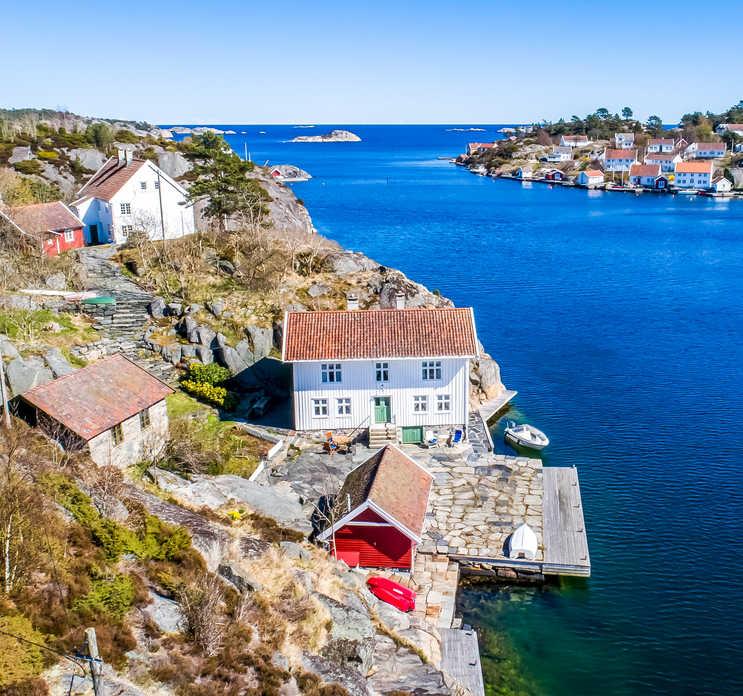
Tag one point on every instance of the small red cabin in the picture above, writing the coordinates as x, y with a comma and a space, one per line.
53, 226
380, 512
554, 175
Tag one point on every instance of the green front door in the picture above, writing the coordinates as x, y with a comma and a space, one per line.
382, 409
412, 435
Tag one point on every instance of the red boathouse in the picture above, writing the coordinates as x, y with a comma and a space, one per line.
52, 227
380, 512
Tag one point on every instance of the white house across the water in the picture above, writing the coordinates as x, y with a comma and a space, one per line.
129, 195
403, 370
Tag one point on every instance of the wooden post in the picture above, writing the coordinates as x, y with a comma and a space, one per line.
4, 394
96, 664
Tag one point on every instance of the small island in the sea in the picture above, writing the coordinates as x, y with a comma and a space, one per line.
334, 136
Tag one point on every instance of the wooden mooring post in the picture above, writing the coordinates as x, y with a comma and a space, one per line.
96, 664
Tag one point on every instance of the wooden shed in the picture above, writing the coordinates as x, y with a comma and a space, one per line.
379, 512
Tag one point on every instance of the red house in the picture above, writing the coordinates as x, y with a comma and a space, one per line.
380, 512
53, 226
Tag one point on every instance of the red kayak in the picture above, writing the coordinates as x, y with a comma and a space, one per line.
391, 592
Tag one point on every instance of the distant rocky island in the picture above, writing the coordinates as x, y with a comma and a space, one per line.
334, 136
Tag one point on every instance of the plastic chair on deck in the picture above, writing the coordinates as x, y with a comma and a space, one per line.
456, 438
430, 439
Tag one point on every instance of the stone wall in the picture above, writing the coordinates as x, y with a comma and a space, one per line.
137, 442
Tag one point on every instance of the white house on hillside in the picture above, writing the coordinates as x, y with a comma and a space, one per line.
694, 175
721, 184
128, 194
619, 160
403, 371
661, 145
666, 160
590, 178
560, 154
624, 141
574, 141
705, 151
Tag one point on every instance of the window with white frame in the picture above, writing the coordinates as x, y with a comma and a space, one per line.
126, 208
319, 408
143, 185
382, 370
420, 404
330, 372
126, 229
431, 369
69, 236
344, 406
157, 185
443, 403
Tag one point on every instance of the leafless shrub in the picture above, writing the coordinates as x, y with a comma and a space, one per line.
203, 620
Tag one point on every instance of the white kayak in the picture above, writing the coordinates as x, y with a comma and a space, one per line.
526, 435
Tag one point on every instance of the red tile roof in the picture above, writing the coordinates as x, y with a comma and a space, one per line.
44, 217
380, 333
93, 399
695, 167
620, 154
664, 156
594, 172
644, 170
394, 483
710, 146
660, 141
575, 138
110, 178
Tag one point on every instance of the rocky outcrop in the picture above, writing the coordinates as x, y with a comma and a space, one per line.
174, 164
334, 136
485, 377
23, 375
88, 157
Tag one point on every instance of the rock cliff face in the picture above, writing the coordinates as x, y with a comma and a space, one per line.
334, 136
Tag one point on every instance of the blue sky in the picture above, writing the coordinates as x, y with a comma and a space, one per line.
241, 61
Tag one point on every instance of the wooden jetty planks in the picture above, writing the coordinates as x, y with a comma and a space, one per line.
460, 658
565, 538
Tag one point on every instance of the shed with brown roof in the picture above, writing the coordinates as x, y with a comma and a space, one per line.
113, 407
380, 511
53, 226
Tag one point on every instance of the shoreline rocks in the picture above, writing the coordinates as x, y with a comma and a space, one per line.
334, 136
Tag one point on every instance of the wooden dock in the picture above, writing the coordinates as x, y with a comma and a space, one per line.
490, 408
460, 658
565, 539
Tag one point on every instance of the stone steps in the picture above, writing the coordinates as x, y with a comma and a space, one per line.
381, 435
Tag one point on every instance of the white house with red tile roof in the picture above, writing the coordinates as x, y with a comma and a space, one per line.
624, 141
574, 141
590, 178
721, 184
619, 160
661, 145
694, 175
666, 160
645, 175
560, 153
705, 151
736, 128
404, 370
473, 148
128, 195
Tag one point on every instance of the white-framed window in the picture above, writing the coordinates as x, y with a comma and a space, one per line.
431, 369
344, 406
420, 404
443, 403
69, 236
320, 408
331, 372
126, 208
382, 371
143, 185
126, 229
157, 185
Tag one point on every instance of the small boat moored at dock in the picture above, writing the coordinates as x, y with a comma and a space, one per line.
391, 592
525, 435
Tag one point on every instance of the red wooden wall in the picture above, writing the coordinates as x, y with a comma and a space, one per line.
59, 244
377, 547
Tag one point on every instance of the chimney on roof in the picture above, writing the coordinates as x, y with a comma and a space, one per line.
121, 155
352, 300
399, 300
128, 155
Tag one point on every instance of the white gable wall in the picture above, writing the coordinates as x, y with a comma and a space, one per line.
360, 385
177, 219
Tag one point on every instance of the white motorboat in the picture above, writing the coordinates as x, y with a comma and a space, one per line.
526, 435
523, 543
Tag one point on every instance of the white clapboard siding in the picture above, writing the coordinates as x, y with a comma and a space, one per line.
360, 385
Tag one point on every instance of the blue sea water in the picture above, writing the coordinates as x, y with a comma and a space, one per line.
619, 320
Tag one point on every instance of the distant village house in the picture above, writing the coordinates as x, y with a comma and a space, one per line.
52, 227
647, 176
619, 160
666, 160
661, 145
478, 148
129, 195
560, 154
694, 175
112, 408
574, 141
624, 141
705, 151
590, 178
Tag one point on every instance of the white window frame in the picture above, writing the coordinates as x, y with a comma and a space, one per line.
319, 408
157, 185
343, 406
126, 208
331, 373
431, 370
420, 403
69, 235
382, 371
443, 403
126, 229
143, 185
